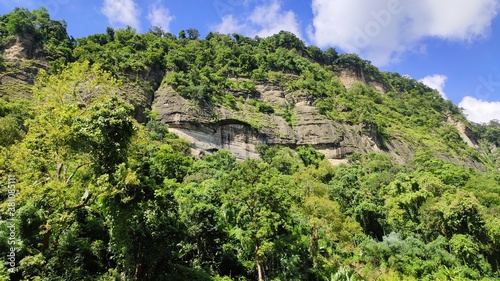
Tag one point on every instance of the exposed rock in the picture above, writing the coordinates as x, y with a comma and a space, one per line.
19, 48
139, 98
493, 148
465, 132
241, 128
338, 162
240, 139
379, 87
19, 53
402, 151
212, 128
351, 76
139, 88
17, 79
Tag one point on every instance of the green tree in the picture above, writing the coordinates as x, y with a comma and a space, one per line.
193, 34
54, 161
455, 213
257, 202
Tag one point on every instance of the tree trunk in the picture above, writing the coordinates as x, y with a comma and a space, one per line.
138, 271
313, 243
46, 241
257, 261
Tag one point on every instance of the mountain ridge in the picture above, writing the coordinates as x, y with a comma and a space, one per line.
293, 163
348, 70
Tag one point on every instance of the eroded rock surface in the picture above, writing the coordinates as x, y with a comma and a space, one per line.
465, 132
242, 130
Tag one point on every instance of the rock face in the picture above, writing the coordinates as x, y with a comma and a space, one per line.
350, 76
199, 127
22, 69
19, 48
465, 132
242, 129
240, 125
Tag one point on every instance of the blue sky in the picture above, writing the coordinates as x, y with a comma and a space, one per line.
451, 45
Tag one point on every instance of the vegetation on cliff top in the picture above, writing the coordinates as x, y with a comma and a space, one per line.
100, 196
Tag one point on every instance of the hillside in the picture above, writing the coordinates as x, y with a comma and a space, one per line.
169, 157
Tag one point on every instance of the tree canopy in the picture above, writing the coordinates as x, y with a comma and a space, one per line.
102, 196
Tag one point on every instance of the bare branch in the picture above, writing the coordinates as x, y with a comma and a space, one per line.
76, 169
58, 172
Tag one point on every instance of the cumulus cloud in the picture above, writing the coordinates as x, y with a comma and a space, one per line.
271, 20
436, 82
382, 30
231, 25
263, 21
480, 111
160, 16
121, 12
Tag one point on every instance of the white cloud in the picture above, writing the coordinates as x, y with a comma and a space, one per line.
263, 21
382, 30
271, 20
436, 82
160, 16
231, 25
122, 12
480, 111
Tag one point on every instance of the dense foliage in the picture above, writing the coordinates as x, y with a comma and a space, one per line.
100, 196
49, 37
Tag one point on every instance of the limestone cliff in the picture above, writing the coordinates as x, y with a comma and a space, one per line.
240, 124
242, 128
465, 132
351, 75
19, 53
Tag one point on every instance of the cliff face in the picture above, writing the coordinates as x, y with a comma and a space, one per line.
465, 132
269, 115
19, 48
350, 76
241, 129
24, 59
18, 54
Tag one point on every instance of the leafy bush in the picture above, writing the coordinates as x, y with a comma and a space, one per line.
3, 66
